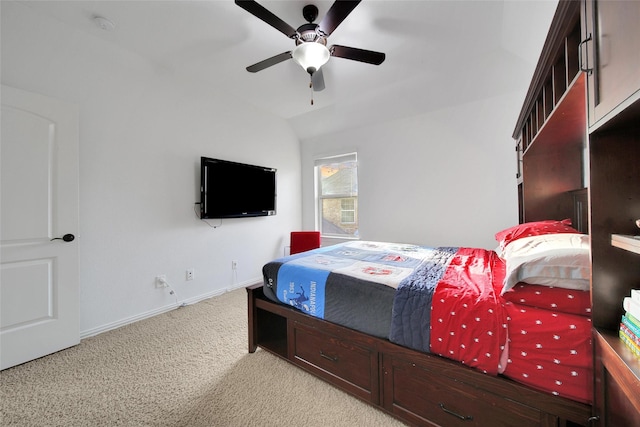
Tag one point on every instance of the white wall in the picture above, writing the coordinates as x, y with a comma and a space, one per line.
142, 132
436, 179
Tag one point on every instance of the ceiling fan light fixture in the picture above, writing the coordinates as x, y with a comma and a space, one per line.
310, 56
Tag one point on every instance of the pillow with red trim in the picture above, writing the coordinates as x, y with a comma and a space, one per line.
536, 228
571, 301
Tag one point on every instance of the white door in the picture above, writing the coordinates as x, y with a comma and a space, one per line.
39, 284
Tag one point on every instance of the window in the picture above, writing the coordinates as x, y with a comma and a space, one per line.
337, 195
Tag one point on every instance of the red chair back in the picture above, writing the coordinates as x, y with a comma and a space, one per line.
302, 241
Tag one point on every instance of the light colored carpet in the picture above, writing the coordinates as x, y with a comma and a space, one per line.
189, 367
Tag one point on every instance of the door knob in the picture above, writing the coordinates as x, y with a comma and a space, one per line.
66, 238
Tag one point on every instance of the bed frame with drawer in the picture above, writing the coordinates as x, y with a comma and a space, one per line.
419, 389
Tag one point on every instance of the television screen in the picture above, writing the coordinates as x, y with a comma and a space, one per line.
236, 190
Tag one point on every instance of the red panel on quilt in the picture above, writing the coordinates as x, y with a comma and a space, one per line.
550, 351
468, 322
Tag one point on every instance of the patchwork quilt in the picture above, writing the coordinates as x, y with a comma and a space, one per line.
424, 298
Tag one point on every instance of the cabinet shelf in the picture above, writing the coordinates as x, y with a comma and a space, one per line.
553, 162
628, 243
557, 68
567, 124
619, 351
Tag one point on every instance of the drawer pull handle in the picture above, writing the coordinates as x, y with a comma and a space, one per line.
583, 68
326, 356
450, 412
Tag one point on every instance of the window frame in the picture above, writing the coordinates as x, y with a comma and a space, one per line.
322, 161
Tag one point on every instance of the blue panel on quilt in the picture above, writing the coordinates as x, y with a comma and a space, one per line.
302, 288
411, 316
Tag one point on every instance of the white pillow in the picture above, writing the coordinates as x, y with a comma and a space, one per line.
560, 260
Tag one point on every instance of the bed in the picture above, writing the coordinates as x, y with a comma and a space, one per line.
519, 314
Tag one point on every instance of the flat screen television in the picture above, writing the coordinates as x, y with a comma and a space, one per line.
236, 190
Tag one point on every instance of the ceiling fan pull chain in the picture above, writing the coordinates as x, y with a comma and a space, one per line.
311, 87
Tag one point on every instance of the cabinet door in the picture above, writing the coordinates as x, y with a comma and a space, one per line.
614, 57
617, 399
341, 362
423, 395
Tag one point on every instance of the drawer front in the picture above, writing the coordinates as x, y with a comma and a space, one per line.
327, 354
427, 398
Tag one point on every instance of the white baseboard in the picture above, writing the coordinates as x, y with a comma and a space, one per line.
127, 321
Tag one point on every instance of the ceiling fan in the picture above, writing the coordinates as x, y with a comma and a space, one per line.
311, 51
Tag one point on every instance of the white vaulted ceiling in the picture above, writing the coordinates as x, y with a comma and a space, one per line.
438, 53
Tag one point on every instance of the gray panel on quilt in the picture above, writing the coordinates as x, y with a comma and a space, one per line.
359, 304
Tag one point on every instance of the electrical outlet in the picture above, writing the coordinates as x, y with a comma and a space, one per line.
234, 264
161, 281
190, 274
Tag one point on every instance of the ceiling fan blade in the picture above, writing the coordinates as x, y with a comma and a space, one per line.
317, 81
261, 12
337, 13
269, 62
362, 55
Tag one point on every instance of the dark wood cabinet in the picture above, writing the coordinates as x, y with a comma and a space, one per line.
614, 153
615, 204
612, 56
614, 191
593, 133
551, 130
617, 376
